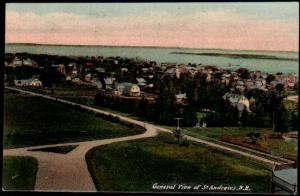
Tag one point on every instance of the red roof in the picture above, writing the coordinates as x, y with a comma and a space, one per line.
89, 64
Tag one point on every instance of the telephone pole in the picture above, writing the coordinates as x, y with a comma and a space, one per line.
178, 119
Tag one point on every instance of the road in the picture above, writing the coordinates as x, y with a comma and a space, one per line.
69, 172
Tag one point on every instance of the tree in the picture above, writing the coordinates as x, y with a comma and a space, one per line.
283, 122
165, 107
245, 119
244, 73
296, 88
189, 115
295, 120
50, 77
142, 108
270, 78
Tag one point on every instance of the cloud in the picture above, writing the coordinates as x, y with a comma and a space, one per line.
210, 29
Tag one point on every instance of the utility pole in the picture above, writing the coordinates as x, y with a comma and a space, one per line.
177, 132
178, 119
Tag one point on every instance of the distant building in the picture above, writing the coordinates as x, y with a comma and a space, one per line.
128, 89
145, 70
27, 62
76, 80
89, 65
60, 68
100, 70
88, 77
28, 82
124, 69
68, 78
181, 98
16, 62
177, 71
141, 82
109, 82
239, 101
98, 84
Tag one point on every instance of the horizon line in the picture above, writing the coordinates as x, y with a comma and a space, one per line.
132, 46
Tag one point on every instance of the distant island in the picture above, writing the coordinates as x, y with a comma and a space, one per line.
245, 56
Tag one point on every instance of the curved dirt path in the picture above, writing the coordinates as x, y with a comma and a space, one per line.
69, 172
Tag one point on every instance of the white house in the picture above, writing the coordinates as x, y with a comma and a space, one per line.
17, 62
145, 70
28, 82
68, 78
27, 62
109, 82
124, 69
76, 80
128, 89
181, 98
141, 82
100, 70
239, 101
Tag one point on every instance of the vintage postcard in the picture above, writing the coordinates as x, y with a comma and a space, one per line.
151, 97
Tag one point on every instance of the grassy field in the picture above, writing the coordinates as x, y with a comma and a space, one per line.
81, 95
136, 166
19, 173
31, 120
58, 149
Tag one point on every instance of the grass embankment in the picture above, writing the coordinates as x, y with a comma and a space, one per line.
19, 173
31, 120
136, 166
278, 147
218, 132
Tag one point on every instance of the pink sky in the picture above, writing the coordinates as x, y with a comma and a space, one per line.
211, 29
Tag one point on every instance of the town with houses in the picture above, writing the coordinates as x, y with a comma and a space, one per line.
91, 73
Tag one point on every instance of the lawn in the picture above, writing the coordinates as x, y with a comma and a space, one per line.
136, 166
58, 149
19, 173
79, 94
31, 120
